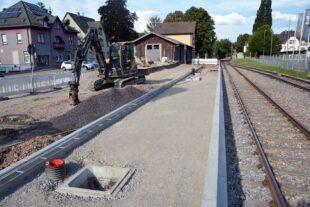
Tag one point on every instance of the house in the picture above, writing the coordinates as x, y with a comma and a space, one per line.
25, 24
78, 22
184, 32
82, 24
103, 40
155, 47
292, 45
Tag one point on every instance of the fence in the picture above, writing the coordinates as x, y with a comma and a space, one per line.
9, 68
299, 63
210, 61
27, 84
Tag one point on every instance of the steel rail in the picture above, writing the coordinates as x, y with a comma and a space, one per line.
277, 77
274, 186
16, 174
290, 117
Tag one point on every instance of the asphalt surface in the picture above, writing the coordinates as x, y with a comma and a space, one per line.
166, 141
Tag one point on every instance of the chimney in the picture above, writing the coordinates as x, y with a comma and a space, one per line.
78, 14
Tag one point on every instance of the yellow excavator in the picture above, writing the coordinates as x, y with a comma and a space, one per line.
116, 70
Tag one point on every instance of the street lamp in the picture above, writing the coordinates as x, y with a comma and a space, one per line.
264, 42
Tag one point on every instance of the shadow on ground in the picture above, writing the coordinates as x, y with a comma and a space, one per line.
234, 187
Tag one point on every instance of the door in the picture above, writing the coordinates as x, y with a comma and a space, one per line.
153, 52
15, 57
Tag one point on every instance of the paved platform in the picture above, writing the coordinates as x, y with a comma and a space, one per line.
166, 141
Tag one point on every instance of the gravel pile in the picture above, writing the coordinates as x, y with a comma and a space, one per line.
296, 101
15, 153
244, 179
97, 106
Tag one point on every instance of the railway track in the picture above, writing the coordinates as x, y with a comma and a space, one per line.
282, 143
296, 82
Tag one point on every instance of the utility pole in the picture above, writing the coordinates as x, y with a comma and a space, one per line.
264, 43
301, 33
271, 46
288, 36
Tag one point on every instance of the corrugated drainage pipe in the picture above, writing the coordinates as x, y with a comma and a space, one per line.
55, 170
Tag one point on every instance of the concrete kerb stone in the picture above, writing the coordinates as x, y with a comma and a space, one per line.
215, 185
24, 170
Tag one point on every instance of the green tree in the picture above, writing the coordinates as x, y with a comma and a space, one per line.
118, 21
222, 48
242, 39
153, 21
176, 16
260, 42
263, 15
205, 35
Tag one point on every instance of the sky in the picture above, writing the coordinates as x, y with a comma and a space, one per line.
232, 17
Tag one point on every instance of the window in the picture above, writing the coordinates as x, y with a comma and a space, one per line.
57, 25
40, 38
70, 40
59, 58
26, 57
45, 23
4, 39
292, 42
149, 47
156, 47
19, 38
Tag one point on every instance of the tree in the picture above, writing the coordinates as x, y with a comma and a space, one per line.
118, 21
242, 39
222, 48
176, 16
263, 16
153, 21
41, 5
260, 42
205, 35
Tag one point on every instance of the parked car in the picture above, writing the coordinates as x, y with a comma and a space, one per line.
90, 65
1, 75
67, 65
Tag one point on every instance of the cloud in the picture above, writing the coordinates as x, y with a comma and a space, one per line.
290, 3
276, 15
233, 5
143, 16
229, 19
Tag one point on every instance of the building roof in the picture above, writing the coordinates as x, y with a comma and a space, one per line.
94, 24
173, 41
176, 28
24, 14
285, 35
81, 21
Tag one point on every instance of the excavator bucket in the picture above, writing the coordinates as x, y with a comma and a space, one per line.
74, 94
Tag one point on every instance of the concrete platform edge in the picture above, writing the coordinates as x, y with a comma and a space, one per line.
215, 184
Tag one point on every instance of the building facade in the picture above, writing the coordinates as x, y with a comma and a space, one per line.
184, 32
25, 24
154, 47
82, 24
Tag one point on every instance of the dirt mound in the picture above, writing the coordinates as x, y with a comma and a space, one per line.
97, 106
17, 152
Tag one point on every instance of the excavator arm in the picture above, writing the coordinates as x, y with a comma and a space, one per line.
91, 40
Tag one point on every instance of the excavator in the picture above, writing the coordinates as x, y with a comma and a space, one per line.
117, 70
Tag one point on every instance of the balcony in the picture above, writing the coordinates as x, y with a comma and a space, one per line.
59, 46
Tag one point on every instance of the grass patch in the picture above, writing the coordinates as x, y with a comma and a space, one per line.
251, 63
